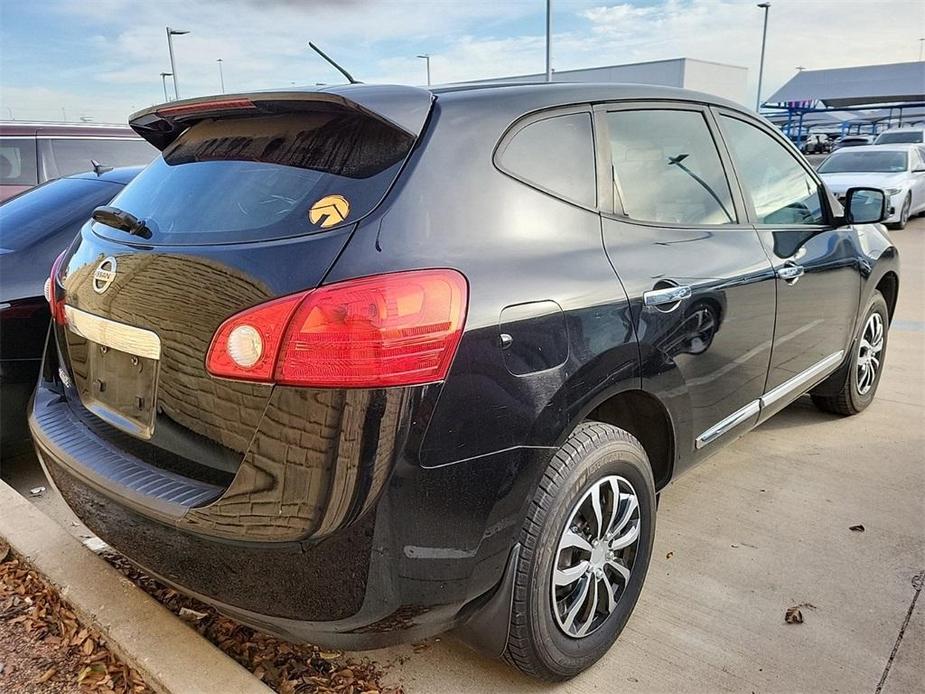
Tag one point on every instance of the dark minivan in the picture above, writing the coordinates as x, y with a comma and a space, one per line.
364, 364
35, 227
33, 153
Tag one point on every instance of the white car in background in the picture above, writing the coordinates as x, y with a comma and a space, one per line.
897, 169
915, 136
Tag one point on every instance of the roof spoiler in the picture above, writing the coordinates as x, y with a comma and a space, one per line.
405, 108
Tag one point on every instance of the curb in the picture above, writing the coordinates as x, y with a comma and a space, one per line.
172, 658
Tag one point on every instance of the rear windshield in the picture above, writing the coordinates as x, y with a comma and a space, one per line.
912, 136
17, 161
873, 162
265, 177
54, 207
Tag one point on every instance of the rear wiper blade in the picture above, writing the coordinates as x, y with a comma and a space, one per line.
122, 220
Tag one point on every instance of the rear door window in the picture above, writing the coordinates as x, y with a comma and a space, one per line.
265, 177
667, 168
18, 166
67, 156
554, 154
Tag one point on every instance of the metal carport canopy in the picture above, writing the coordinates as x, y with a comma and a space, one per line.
855, 86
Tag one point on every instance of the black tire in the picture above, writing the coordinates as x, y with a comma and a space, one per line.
849, 399
903, 214
537, 645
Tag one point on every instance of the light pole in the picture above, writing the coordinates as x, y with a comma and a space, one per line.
221, 75
173, 66
426, 57
764, 37
164, 76
549, 40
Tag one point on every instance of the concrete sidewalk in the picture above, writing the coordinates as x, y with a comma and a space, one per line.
762, 526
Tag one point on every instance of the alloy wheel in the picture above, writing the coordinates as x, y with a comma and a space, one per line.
870, 352
594, 559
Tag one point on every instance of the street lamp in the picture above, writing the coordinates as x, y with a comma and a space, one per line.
549, 40
164, 76
764, 37
221, 75
426, 56
173, 66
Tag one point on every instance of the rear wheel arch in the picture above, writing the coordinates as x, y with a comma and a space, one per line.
645, 417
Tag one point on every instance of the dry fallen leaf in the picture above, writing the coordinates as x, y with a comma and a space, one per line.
669, 555
857, 528
793, 616
191, 615
47, 675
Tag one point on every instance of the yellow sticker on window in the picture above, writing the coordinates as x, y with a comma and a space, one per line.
330, 210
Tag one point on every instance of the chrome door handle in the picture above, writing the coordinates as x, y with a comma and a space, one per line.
668, 295
790, 273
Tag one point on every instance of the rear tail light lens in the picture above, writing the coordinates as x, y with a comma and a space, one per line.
387, 330
55, 302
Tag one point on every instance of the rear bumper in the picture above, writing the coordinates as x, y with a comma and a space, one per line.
420, 559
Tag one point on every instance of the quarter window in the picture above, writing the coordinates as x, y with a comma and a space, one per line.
557, 155
667, 169
780, 189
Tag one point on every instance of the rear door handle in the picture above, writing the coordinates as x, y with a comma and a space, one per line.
790, 273
667, 295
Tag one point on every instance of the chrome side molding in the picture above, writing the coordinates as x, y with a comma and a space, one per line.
730, 422
793, 386
125, 338
821, 368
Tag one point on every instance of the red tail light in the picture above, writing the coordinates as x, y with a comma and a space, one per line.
55, 302
386, 330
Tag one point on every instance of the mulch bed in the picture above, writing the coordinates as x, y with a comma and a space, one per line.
288, 668
43, 646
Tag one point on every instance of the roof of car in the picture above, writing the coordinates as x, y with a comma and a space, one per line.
895, 147
572, 92
909, 129
32, 128
121, 175
408, 107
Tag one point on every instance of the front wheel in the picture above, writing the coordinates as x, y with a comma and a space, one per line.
866, 366
586, 545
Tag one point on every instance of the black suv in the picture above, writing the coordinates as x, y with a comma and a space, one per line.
369, 363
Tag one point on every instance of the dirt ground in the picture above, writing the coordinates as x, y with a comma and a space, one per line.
44, 648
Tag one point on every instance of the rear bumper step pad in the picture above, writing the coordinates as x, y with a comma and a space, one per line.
59, 433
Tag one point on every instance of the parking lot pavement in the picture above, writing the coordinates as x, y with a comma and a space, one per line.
763, 526
760, 527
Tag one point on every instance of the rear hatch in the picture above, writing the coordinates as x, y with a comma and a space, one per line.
253, 198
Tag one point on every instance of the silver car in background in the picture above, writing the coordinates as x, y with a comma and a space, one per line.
897, 169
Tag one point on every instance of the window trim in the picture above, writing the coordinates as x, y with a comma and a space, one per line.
618, 212
790, 148
529, 119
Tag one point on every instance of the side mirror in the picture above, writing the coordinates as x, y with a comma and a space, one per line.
865, 206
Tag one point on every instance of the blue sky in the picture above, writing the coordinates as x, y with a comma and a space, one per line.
103, 58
